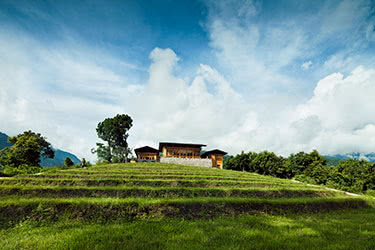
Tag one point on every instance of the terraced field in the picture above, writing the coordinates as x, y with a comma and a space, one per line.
144, 192
157, 190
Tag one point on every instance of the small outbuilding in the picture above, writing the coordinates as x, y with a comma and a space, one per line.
147, 153
216, 156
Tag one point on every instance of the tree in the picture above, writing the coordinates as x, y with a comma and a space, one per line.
27, 149
68, 162
114, 131
300, 161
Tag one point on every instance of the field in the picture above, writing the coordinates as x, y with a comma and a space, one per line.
162, 206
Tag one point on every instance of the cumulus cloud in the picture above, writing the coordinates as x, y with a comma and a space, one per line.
198, 111
251, 99
339, 115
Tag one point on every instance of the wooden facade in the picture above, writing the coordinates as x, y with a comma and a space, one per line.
180, 150
217, 157
147, 153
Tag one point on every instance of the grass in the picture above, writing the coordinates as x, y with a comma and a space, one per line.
157, 192
165, 206
352, 229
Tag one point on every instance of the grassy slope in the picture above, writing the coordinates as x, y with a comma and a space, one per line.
156, 206
345, 230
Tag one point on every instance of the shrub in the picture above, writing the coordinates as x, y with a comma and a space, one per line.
22, 169
68, 162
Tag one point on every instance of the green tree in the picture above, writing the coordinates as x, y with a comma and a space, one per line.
114, 131
268, 163
68, 162
297, 163
27, 149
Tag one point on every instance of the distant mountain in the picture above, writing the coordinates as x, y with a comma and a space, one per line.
58, 160
4, 141
334, 159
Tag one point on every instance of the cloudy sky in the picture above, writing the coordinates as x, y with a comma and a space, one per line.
283, 76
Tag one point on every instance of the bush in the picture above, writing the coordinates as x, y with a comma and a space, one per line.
68, 162
22, 169
305, 179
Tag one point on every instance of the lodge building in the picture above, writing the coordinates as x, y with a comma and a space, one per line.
147, 153
182, 153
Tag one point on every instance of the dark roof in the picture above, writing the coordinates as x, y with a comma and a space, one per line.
213, 152
177, 144
146, 149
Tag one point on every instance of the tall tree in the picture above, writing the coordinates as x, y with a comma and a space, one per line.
114, 131
27, 149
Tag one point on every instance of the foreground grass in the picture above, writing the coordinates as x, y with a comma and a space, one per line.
348, 229
162, 206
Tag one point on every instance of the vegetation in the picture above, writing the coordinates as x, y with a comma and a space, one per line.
349, 175
154, 205
349, 229
114, 131
68, 162
24, 156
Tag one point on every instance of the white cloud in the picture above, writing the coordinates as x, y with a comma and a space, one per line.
338, 62
201, 111
58, 92
306, 65
341, 110
252, 100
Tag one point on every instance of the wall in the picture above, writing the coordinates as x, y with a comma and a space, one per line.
187, 161
147, 156
182, 152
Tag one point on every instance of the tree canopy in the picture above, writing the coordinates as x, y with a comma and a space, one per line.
27, 149
114, 131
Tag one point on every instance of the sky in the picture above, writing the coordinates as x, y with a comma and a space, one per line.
238, 75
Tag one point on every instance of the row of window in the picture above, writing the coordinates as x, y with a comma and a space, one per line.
183, 154
147, 158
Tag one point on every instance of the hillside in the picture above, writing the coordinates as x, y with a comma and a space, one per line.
160, 198
4, 141
58, 160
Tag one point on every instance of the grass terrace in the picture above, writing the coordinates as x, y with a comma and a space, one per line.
164, 206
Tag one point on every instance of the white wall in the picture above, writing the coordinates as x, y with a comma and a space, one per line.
187, 161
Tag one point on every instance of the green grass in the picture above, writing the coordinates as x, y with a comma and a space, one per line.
352, 229
157, 192
164, 206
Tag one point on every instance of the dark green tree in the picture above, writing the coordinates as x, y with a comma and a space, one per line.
68, 162
27, 149
297, 163
268, 163
114, 131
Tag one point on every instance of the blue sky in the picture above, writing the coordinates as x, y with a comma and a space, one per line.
283, 76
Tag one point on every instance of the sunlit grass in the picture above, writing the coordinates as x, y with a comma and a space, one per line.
163, 206
346, 230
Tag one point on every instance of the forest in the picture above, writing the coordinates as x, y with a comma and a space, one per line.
351, 175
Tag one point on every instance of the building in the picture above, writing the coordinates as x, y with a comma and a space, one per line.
182, 153
180, 150
147, 153
216, 156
